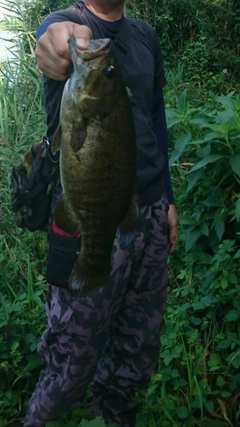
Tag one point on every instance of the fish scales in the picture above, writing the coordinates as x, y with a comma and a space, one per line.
96, 138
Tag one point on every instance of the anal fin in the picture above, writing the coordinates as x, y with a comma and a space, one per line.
82, 282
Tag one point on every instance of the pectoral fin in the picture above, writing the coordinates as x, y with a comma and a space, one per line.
64, 218
78, 135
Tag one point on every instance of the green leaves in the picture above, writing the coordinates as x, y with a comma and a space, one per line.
232, 316
205, 271
212, 158
237, 210
180, 146
98, 422
234, 359
209, 170
182, 412
235, 163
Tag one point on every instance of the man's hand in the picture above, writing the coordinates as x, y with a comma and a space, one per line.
173, 226
52, 51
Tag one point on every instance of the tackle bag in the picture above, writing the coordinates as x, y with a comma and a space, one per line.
32, 183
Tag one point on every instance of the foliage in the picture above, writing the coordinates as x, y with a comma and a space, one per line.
74, 421
206, 161
24, 17
22, 122
197, 382
201, 34
21, 324
36, 11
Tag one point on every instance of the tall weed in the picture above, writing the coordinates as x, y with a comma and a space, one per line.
22, 122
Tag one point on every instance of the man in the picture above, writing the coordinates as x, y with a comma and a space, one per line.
110, 336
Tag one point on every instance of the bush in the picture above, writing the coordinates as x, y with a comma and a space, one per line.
200, 33
206, 162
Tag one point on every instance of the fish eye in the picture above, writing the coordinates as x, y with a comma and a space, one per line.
109, 72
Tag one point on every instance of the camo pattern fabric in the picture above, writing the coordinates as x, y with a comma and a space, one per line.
21, 175
111, 335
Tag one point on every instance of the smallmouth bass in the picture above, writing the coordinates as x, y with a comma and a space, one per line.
96, 139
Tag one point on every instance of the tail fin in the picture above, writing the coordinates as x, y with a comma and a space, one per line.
82, 282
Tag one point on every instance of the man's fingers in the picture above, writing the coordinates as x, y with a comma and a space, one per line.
52, 51
59, 35
173, 238
83, 35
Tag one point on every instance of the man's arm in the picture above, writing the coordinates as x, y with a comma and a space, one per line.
160, 130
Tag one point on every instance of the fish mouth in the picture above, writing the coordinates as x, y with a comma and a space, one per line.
96, 48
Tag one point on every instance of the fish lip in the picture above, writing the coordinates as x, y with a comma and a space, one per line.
86, 55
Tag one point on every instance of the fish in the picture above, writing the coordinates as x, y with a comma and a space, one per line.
97, 145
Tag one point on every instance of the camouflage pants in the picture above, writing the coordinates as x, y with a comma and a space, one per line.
111, 335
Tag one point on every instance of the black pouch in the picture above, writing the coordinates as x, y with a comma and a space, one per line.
63, 252
32, 183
